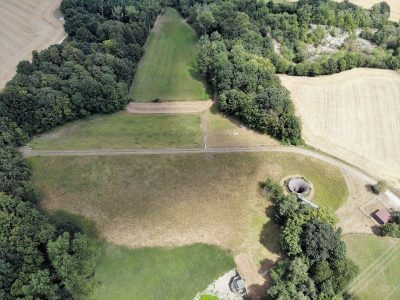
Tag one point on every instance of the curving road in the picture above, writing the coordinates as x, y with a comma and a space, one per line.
28, 152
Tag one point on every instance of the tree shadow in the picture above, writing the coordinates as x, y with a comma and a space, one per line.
196, 75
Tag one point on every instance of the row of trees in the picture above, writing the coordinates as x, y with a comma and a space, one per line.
42, 258
316, 266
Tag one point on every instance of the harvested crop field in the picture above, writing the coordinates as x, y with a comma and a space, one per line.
26, 25
354, 115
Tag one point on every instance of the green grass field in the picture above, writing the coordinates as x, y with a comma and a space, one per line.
158, 273
379, 262
160, 200
123, 130
166, 70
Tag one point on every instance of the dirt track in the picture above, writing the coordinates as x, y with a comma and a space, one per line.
354, 115
169, 107
26, 25
27, 152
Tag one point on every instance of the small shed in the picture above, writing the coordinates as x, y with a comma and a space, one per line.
382, 216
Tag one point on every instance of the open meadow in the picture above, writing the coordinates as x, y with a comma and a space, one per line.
124, 130
26, 25
174, 200
166, 70
152, 273
354, 115
379, 261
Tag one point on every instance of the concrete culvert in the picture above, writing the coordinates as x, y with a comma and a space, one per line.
299, 186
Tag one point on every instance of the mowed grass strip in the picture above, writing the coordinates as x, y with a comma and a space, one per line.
166, 70
123, 130
158, 273
379, 261
169, 200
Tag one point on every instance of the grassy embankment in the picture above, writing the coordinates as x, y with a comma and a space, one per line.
379, 261
123, 130
166, 70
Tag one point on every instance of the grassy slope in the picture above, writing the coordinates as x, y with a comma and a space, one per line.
158, 273
166, 69
124, 130
381, 281
159, 200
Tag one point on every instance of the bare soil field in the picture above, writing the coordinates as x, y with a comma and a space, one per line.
26, 25
355, 116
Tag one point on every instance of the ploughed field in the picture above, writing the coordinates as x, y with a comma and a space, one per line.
26, 25
354, 115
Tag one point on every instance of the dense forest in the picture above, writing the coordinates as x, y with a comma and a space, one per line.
245, 42
316, 266
91, 72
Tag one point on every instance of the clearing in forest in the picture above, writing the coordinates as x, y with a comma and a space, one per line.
26, 25
166, 70
174, 200
123, 130
354, 115
379, 261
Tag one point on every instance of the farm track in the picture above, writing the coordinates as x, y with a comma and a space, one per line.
169, 107
28, 152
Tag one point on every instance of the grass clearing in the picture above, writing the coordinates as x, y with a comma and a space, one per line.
166, 70
379, 281
158, 273
169, 200
123, 130
223, 131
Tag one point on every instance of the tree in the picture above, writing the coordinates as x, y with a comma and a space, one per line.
23, 232
74, 259
11, 134
291, 281
391, 229
14, 174
40, 286
320, 241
